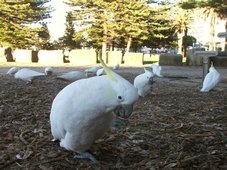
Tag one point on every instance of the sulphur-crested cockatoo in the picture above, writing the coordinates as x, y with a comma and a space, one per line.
156, 69
100, 72
116, 66
143, 83
49, 70
89, 72
211, 79
12, 71
72, 76
27, 75
83, 111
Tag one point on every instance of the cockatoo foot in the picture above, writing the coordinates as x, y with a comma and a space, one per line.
86, 156
117, 122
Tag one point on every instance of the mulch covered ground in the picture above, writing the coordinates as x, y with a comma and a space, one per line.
177, 127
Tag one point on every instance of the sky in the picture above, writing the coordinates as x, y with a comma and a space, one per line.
56, 24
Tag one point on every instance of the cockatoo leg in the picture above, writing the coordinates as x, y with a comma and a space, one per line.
117, 122
86, 156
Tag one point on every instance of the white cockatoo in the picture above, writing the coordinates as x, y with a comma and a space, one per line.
12, 71
116, 66
90, 72
100, 72
156, 69
72, 76
211, 79
83, 111
49, 70
27, 75
143, 83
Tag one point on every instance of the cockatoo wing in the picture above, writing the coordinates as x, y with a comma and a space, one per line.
156, 69
211, 80
143, 83
27, 74
72, 76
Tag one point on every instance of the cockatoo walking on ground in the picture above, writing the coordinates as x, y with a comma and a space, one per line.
211, 79
49, 70
100, 72
156, 69
83, 111
27, 75
143, 83
72, 76
90, 72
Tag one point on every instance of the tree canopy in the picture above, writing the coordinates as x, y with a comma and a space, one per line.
123, 23
15, 19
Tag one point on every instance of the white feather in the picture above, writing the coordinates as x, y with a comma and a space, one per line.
100, 72
211, 80
27, 74
12, 71
49, 70
92, 71
82, 112
143, 83
116, 67
156, 69
72, 75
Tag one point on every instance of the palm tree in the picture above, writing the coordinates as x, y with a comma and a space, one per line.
182, 20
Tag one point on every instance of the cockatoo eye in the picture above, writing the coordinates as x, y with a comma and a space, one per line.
120, 98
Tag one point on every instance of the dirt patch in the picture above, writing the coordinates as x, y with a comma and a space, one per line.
176, 127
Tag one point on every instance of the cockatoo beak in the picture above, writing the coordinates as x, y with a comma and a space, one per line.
124, 110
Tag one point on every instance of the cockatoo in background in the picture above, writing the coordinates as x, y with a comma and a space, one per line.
156, 69
90, 72
49, 70
83, 111
12, 71
72, 76
27, 75
100, 72
143, 83
211, 79
116, 67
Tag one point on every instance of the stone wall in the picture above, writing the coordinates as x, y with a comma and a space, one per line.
133, 59
83, 57
170, 59
50, 56
22, 55
195, 57
114, 57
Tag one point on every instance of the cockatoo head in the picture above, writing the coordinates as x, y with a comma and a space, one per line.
149, 76
211, 67
48, 70
125, 93
12, 71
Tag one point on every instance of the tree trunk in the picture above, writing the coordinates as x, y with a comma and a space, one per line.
180, 40
212, 30
185, 42
226, 37
104, 40
129, 44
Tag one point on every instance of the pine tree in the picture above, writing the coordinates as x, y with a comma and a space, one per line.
67, 40
15, 18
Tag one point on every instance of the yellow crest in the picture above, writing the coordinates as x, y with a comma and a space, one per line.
107, 70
